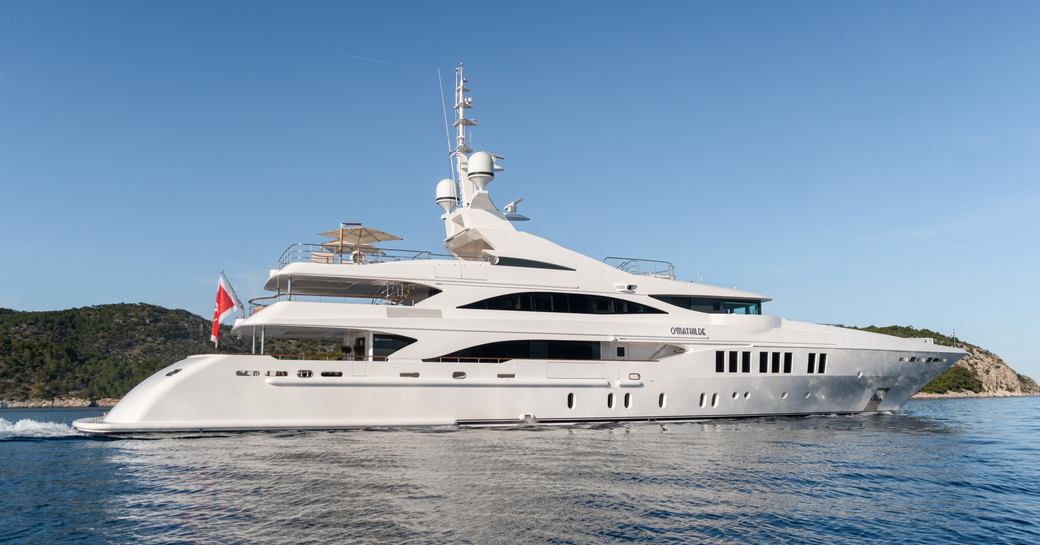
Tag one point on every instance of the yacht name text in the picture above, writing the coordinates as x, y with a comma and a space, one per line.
699, 331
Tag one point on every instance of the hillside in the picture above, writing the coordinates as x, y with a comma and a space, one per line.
981, 371
101, 351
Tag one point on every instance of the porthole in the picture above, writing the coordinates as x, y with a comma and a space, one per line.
628, 400
714, 400
610, 400
458, 374
332, 373
807, 395
702, 400
174, 372
304, 373
660, 401
570, 400
783, 395
735, 395
747, 395
409, 375
859, 374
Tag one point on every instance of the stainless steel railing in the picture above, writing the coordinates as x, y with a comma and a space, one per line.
645, 267
306, 252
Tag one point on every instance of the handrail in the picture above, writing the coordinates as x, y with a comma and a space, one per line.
645, 267
326, 357
301, 252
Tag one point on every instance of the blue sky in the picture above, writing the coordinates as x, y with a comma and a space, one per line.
859, 162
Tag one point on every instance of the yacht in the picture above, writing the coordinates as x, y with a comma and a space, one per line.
507, 328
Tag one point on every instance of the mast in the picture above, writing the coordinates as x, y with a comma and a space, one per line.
462, 103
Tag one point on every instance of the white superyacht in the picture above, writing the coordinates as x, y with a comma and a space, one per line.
509, 328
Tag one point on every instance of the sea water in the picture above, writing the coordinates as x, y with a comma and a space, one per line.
940, 471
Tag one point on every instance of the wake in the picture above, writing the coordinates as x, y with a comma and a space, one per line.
28, 428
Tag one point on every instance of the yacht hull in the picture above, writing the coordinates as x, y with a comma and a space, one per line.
252, 392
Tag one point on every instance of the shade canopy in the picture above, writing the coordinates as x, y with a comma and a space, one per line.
358, 235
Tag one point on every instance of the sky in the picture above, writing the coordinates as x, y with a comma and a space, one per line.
859, 162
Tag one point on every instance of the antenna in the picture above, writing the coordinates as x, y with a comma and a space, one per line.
447, 132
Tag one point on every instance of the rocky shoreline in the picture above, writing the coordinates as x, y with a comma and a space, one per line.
58, 402
969, 393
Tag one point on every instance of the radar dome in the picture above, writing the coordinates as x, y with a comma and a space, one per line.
480, 169
447, 195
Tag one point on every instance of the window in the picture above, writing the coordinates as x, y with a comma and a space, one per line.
776, 362
745, 363
574, 303
787, 362
529, 263
763, 362
621, 351
383, 345
332, 373
714, 400
720, 361
628, 400
812, 363
610, 400
712, 305
570, 400
733, 362
823, 364
660, 400
702, 401
528, 349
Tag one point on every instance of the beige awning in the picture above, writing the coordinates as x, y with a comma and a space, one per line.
358, 235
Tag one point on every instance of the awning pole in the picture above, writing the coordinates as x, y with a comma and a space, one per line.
262, 339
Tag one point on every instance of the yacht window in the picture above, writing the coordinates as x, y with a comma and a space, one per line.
812, 363
383, 344
713, 305
823, 364
720, 361
776, 362
745, 363
525, 350
732, 362
529, 263
787, 362
575, 303
763, 362
621, 351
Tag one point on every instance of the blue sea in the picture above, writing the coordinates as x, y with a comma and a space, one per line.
939, 471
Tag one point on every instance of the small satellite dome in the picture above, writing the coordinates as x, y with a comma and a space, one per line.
447, 195
480, 169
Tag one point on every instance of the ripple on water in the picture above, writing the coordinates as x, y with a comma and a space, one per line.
939, 472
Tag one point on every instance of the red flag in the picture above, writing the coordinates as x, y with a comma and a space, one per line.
227, 302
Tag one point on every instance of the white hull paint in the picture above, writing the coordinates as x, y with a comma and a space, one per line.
208, 395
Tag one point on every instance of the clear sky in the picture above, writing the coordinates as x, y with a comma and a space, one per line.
860, 162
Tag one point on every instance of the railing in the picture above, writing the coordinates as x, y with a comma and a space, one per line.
326, 356
305, 252
645, 267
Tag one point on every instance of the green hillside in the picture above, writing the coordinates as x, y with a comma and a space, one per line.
101, 351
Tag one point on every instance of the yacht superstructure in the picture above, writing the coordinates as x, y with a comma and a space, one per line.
509, 328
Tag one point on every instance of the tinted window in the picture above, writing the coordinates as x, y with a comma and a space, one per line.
384, 345
712, 305
812, 363
526, 349
823, 364
763, 362
575, 303
787, 362
745, 362
720, 362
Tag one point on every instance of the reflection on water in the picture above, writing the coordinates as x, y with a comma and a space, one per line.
940, 471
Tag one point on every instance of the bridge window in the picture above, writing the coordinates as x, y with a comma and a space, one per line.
713, 305
500, 351
575, 303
